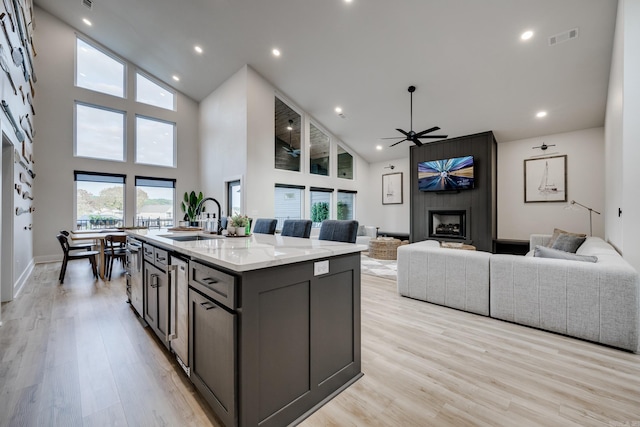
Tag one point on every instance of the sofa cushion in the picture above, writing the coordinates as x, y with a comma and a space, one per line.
568, 242
557, 232
544, 252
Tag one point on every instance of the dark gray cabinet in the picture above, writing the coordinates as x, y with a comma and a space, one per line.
212, 354
156, 310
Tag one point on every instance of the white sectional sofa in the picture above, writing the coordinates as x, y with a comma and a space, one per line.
594, 301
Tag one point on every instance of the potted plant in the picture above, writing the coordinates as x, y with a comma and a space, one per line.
240, 223
189, 205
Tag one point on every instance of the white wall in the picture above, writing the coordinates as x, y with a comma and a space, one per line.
585, 184
237, 127
54, 188
623, 134
391, 218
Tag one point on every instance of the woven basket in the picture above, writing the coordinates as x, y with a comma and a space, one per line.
382, 248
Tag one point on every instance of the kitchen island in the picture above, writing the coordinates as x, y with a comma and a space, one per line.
273, 322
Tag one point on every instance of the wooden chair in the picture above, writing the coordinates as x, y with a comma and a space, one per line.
296, 228
339, 230
265, 226
70, 256
80, 247
114, 248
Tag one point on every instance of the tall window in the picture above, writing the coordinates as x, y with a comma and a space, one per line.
345, 164
99, 132
320, 201
155, 202
149, 92
346, 204
98, 71
155, 142
99, 200
287, 143
318, 151
234, 198
288, 201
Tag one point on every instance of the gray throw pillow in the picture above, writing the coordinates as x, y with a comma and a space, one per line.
557, 232
568, 242
544, 252
362, 231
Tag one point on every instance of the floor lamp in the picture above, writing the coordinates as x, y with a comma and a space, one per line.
591, 210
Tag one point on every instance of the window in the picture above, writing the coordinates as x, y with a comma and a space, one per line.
99, 200
99, 132
318, 151
155, 202
155, 142
287, 143
346, 204
234, 198
288, 201
98, 71
320, 201
149, 92
345, 164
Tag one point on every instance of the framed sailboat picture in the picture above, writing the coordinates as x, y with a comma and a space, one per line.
392, 189
545, 179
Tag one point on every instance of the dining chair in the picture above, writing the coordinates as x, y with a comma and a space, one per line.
339, 230
70, 256
114, 248
265, 226
296, 228
80, 247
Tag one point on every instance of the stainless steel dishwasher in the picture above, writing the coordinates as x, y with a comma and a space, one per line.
179, 307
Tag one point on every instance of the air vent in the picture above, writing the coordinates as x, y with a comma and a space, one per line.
563, 37
88, 3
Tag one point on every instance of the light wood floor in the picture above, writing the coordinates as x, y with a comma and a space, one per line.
75, 354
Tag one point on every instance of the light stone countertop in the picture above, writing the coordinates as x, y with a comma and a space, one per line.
247, 253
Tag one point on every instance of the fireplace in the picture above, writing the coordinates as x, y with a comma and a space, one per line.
449, 224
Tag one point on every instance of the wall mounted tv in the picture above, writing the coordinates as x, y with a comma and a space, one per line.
451, 174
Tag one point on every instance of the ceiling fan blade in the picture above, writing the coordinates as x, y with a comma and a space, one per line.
398, 142
433, 136
403, 132
392, 137
427, 131
417, 142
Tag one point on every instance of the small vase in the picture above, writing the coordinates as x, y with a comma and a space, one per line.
240, 231
194, 223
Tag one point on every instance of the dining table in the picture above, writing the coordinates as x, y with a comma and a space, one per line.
99, 237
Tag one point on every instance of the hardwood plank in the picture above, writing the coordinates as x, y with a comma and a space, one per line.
76, 354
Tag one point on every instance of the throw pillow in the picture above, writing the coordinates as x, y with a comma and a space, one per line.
362, 231
544, 252
568, 242
557, 232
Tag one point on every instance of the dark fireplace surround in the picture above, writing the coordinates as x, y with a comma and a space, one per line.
448, 224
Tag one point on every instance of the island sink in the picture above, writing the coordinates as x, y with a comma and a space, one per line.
192, 238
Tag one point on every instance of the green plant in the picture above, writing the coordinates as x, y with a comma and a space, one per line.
319, 211
189, 205
343, 210
239, 221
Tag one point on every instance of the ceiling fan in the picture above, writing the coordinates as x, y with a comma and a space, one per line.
293, 152
411, 135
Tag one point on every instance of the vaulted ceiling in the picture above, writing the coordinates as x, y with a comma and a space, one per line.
472, 71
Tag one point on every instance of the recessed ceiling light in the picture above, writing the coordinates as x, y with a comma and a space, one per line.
86, 21
276, 52
338, 110
198, 49
176, 78
541, 114
526, 35
378, 147
348, 1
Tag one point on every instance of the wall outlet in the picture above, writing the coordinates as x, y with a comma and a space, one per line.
320, 267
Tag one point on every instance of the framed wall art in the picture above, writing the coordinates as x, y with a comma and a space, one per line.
545, 179
392, 189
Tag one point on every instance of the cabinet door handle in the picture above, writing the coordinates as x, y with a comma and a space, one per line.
154, 281
207, 305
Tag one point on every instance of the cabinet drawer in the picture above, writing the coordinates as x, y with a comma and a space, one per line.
147, 251
161, 258
214, 283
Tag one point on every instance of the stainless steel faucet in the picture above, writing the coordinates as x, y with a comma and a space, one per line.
199, 211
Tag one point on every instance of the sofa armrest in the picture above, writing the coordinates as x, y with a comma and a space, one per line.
538, 240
